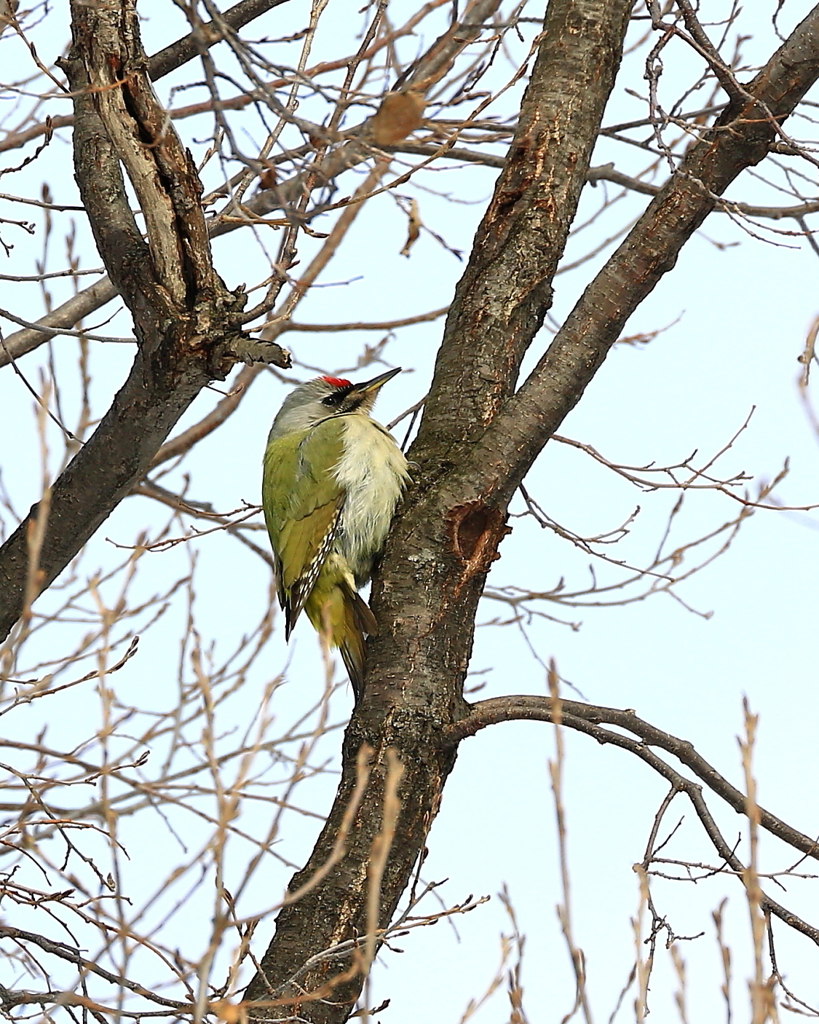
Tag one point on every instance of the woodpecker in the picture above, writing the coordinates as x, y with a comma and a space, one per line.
331, 480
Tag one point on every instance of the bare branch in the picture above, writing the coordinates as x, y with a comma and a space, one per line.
587, 718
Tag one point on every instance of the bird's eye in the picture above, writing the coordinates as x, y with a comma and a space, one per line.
334, 398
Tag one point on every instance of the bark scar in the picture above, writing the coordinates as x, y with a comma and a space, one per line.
475, 530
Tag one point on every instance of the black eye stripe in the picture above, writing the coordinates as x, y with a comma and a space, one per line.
336, 397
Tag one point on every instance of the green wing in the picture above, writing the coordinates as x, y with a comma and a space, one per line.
302, 504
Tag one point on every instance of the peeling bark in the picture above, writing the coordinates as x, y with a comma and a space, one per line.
187, 323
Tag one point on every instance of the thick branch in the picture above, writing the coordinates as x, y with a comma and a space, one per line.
740, 138
185, 320
190, 46
333, 909
137, 134
71, 312
503, 296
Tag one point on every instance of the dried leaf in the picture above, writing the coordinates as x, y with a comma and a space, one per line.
414, 230
267, 179
400, 114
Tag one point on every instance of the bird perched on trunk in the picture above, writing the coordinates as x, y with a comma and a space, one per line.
332, 478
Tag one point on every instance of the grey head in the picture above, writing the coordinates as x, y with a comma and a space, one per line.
322, 397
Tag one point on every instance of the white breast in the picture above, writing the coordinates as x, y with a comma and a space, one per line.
373, 473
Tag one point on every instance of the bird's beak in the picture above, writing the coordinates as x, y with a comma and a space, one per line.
370, 387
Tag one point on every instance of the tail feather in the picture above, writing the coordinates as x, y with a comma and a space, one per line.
360, 613
359, 622
341, 615
352, 654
